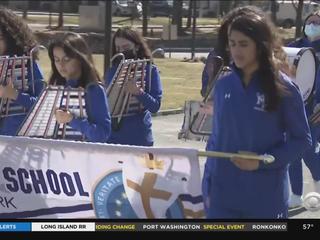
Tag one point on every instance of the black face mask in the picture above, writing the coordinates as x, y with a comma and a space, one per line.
130, 54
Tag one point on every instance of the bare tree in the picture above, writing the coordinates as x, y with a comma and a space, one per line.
177, 15
235, 3
299, 9
189, 14
274, 8
225, 6
25, 10
145, 10
194, 24
60, 18
107, 34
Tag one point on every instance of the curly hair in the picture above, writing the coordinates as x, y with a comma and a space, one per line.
19, 37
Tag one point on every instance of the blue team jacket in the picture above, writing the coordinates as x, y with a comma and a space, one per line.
240, 123
136, 130
10, 125
97, 126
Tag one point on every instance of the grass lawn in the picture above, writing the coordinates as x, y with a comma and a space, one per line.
180, 80
161, 21
44, 19
125, 21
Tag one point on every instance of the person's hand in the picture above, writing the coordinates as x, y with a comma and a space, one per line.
206, 108
63, 116
132, 88
8, 92
244, 163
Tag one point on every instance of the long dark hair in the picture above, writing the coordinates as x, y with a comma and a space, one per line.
135, 37
222, 49
74, 46
257, 28
17, 34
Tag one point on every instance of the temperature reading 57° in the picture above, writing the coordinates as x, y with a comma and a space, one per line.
307, 226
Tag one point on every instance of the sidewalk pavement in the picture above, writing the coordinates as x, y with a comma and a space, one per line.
165, 131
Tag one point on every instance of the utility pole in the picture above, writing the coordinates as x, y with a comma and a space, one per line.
145, 10
194, 16
107, 34
25, 10
60, 18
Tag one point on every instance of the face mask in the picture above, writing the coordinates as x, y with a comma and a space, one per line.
312, 31
128, 54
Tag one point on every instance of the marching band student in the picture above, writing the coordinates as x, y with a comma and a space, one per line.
222, 51
72, 66
16, 39
311, 38
244, 188
136, 129
222, 44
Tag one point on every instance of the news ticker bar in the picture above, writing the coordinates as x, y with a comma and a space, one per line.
139, 226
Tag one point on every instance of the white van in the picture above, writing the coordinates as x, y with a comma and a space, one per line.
286, 12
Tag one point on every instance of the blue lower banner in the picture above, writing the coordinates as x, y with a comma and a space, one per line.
15, 227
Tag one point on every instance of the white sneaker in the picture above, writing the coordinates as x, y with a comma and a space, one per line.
316, 186
295, 201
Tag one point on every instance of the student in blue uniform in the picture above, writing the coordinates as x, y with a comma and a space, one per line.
72, 66
136, 129
16, 38
258, 110
222, 44
311, 38
222, 51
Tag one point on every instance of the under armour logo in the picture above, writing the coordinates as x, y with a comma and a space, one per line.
227, 95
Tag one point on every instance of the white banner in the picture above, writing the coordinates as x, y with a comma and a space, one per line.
62, 179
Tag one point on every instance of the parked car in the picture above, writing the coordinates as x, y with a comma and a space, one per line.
126, 8
165, 8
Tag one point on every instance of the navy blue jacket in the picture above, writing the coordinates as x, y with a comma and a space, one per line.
240, 123
10, 125
97, 126
136, 129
